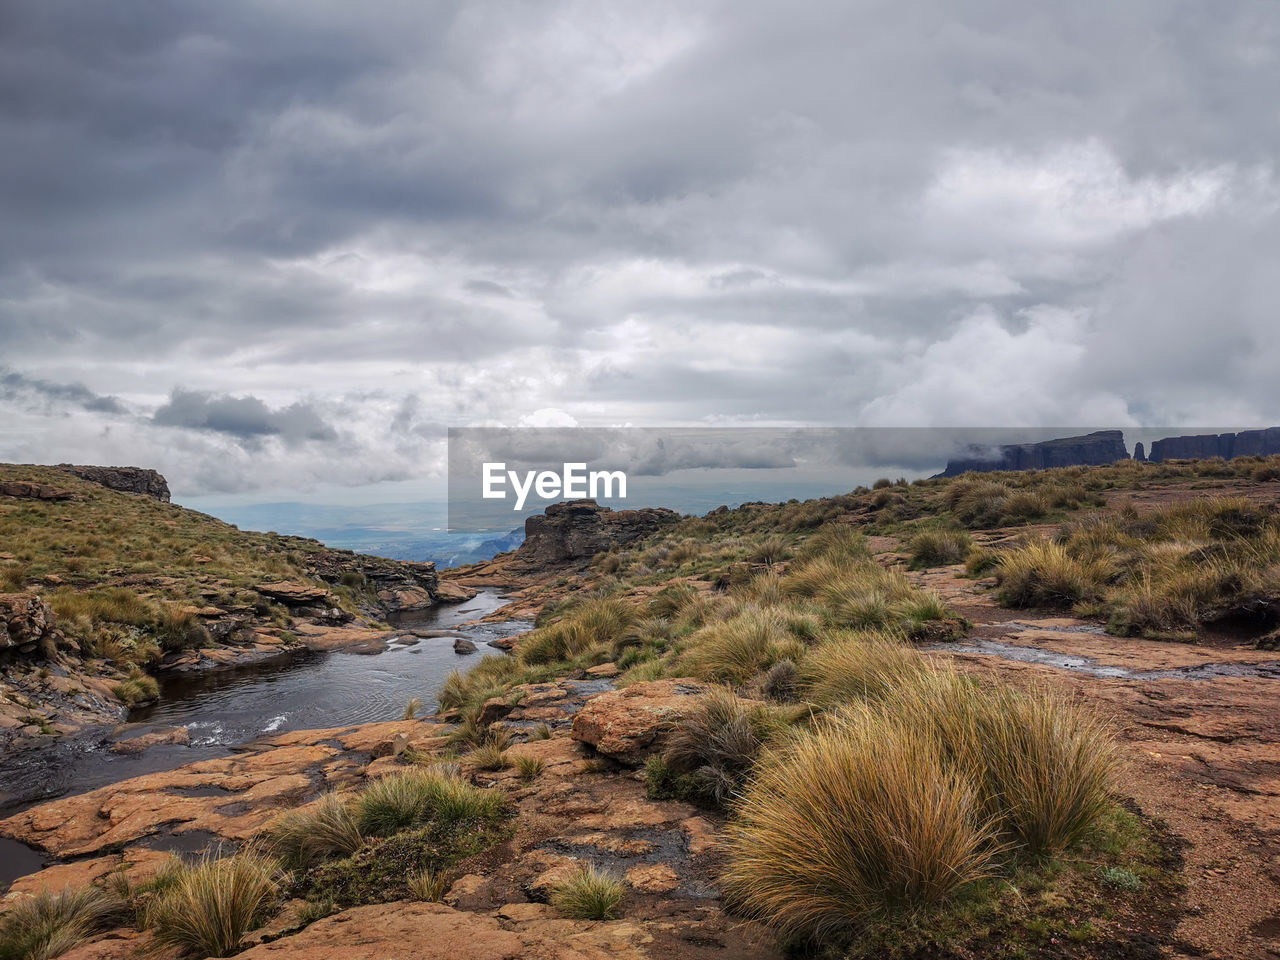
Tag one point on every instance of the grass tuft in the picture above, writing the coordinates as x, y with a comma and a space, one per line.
588, 894
530, 768
403, 800
302, 838
429, 885
49, 924
936, 548
215, 902
858, 820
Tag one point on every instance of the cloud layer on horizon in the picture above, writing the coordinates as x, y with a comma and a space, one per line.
268, 246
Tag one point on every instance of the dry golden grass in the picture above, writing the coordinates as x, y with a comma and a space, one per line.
1164, 573
736, 649
1043, 765
49, 924
1044, 573
214, 903
935, 548
851, 667
596, 622
859, 819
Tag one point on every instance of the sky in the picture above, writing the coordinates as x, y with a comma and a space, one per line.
275, 250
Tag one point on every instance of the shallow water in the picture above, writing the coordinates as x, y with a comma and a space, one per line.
1088, 665
225, 708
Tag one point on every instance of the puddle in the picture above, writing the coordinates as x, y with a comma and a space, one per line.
667, 847
17, 860
190, 845
1088, 665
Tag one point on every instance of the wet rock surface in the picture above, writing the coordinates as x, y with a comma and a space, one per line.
569, 814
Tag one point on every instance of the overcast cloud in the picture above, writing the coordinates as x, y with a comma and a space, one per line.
263, 245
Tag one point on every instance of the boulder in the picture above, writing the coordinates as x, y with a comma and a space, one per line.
178, 736
449, 592
27, 624
630, 724
405, 598
463, 645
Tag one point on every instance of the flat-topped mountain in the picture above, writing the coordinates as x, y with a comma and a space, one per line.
1093, 449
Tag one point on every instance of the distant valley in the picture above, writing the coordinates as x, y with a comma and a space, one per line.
398, 531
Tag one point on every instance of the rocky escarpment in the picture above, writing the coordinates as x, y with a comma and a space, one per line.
563, 538
1246, 443
578, 529
400, 586
1093, 449
146, 483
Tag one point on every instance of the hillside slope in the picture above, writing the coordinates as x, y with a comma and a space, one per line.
101, 588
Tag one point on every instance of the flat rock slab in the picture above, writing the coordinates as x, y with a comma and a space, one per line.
434, 931
229, 797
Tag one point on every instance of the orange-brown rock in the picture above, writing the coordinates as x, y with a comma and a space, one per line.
632, 723
449, 592
653, 878
294, 593
257, 786
405, 598
434, 931
27, 490
174, 735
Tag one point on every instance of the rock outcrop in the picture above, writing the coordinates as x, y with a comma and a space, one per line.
400, 586
1093, 449
26, 490
27, 625
577, 529
631, 723
1246, 443
146, 483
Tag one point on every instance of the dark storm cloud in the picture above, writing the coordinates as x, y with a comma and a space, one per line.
247, 418
385, 217
16, 388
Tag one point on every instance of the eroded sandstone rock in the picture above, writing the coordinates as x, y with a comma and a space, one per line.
26, 624
27, 490
630, 724
577, 529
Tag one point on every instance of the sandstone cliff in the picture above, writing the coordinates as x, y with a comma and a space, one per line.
1246, 443
1094, 449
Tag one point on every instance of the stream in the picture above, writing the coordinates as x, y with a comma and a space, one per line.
222, 709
